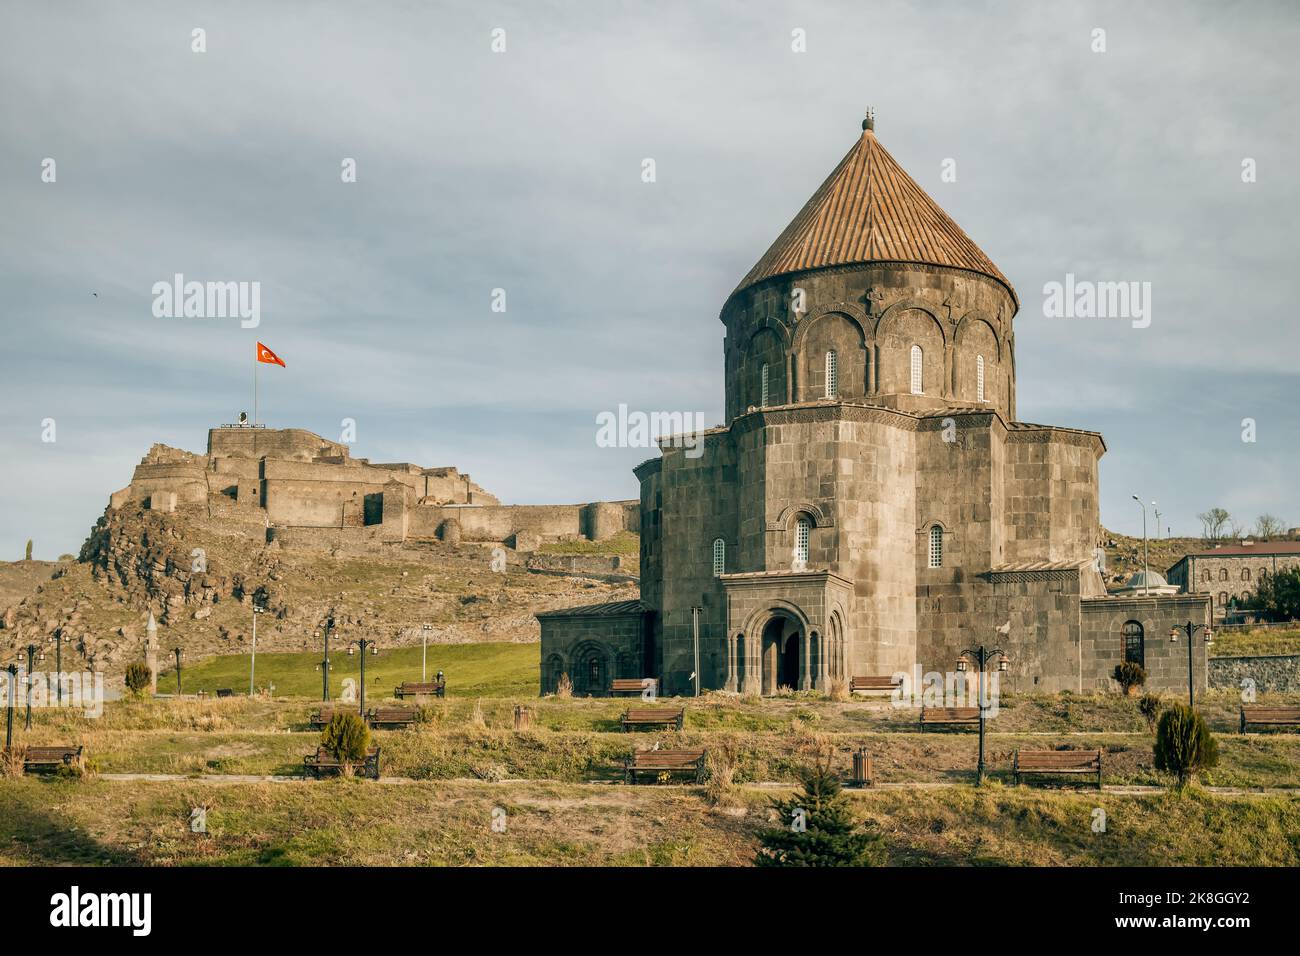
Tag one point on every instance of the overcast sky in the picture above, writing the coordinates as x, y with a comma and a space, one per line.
522, 171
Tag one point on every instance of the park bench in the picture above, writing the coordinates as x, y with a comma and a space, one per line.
322, 761
1270, 717
648, 717
950, 716
390, 716
225, 692
45, 758
634, 685
658, 762
323, 715
1058, 761
873, 683
433, 688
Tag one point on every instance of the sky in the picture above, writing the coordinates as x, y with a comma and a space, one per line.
521, 170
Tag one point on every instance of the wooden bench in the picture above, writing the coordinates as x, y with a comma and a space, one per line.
1058, 761
51, 758
390, 716
225, 692
323, 715
647, 717
633, 685
950, 716
322, 761
1270, 717
873, 683
658, 762
433, 688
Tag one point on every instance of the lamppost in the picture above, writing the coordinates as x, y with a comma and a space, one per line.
982, 658
1190, 630
695, 632
33, 651
12, 671
177, 652
324, 665
424, 642
361, 644
1157, 512
1144, 544
57, 640
252, 661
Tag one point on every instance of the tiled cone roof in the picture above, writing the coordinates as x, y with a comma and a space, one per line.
870, 210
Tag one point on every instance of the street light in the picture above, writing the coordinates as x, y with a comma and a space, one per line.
362, 643
12, 671
1144, 544
57, 640
1190, 630
424, 640
324, 665
982, 658
177, 652
33, 651
252, 661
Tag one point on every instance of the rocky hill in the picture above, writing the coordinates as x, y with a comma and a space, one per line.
200, 578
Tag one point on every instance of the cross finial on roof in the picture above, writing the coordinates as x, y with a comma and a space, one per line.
870, 121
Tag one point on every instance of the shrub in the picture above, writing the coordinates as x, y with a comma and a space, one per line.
11, 761
138, 677
1129, 674
346, 737
1149, 707
839, 689
1184, 746
564, 687
829, 836
719, 774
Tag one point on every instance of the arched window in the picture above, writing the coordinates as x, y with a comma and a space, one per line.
764, 386
719, 556
1223, 574
1205, 575
917, 383
832, 375
1262, 572
802, 527
979, 378
1245, 574
1223, 599
936, 547
1134, 643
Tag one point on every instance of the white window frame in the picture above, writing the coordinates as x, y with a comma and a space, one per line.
936, 547
802, 537
719, 557
832, 374
918, 371
764, 386
979, 378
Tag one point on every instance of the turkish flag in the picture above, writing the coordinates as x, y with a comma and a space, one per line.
270, 358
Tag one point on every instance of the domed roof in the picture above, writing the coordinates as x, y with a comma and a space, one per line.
870, 210
1146, 579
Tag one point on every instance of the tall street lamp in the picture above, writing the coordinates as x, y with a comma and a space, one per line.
1144, 544
252, 661
1189, 629
361, 644
57, 640
12, 671
177, 652
324, 665
424, 642
33, 651
982, 658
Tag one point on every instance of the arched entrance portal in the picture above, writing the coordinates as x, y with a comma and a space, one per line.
779, 654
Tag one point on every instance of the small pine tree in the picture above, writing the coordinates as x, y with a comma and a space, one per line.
138, 677
1149, 707
29, 550
1129, 674
830, 836
346, 737
1184, 746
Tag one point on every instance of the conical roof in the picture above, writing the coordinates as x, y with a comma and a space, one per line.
870, 210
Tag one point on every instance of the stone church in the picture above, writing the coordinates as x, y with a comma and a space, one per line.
872, 504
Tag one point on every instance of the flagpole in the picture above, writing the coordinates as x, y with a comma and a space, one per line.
254, 388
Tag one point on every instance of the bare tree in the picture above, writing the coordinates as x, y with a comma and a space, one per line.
1213, 523
1269, 526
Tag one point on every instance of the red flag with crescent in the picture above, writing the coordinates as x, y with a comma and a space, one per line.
270, 358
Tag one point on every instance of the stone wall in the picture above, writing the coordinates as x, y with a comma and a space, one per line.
1165, 662
1271, 674
592, 645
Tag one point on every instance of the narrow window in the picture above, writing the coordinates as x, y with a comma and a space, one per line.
1223, 599
832, 375
1223, 574
936, 547
1245, 574
1134, 643
979, 377
916, 370
801, 527
763, 390
719, 556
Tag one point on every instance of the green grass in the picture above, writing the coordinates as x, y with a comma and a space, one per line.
624, 543
482, 670
1260, 641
